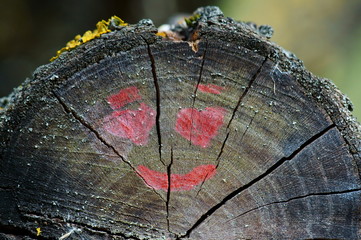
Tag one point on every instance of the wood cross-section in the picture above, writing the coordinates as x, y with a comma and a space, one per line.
216, 133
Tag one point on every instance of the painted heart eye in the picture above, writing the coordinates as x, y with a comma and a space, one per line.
199, 127
134, 125
124, 97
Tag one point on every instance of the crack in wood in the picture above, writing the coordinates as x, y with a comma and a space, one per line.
196, 90
217, 163
79, 225
246, 91
296, 198
221, 151
227, 128
157, 94
102, 140
254, 181
169, 174
88, 126
247, 127
200, 74
229, 123
232, 117
103, 230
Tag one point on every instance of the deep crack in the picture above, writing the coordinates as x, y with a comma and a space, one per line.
246, 91
200, 74
196, 90
221, 151
76, 225
234, 113
157, 94
169, 174
217, 163
257, 179
295, 198
247, 127
235, 110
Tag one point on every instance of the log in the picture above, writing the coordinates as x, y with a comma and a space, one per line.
205, 131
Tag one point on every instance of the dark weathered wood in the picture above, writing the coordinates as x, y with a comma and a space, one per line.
98, 143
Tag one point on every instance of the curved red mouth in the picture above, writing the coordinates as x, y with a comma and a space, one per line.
178, 182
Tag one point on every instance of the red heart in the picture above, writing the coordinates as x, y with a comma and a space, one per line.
134, 125
199, 126
123, 97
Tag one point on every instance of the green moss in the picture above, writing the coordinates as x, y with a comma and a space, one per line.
192, 20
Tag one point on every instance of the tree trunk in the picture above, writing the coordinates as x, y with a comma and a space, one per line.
208, 131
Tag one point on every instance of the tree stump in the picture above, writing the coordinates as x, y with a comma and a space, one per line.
206, 131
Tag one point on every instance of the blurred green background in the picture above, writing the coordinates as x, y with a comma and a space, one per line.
325, 34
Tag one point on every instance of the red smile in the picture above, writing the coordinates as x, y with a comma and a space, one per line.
178, 182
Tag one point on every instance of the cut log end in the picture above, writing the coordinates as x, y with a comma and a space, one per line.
205, 131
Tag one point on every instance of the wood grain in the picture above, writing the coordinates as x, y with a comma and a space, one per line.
136, 136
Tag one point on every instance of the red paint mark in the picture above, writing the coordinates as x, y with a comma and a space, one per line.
178, 182
199, 126
210, 88
124, 97
132, 124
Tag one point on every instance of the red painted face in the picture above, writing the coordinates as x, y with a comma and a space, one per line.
197, 126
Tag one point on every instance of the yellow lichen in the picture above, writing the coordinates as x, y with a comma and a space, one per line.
38, 231
161, 34
102, 27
